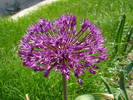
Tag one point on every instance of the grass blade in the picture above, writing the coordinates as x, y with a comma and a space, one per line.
107, 86
27, 97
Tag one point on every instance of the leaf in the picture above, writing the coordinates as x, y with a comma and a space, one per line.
130, 32
118, 39
107, 85
117, 94
129, 68
122, 85
85, 97
95, 96
100, 96
121, 97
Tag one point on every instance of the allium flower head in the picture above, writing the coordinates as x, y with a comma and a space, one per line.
59, 46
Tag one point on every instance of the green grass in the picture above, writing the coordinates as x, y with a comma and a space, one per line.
16, 80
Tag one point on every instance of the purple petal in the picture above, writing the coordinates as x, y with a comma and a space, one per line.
96, 67
80, 81
39, 68
92, 71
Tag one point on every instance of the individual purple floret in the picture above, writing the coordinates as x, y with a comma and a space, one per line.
59, 46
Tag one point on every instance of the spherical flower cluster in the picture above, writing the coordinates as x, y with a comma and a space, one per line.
59, 46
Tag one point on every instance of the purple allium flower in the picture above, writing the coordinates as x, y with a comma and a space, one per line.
59, 46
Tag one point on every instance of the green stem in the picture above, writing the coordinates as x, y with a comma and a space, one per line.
65, 87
